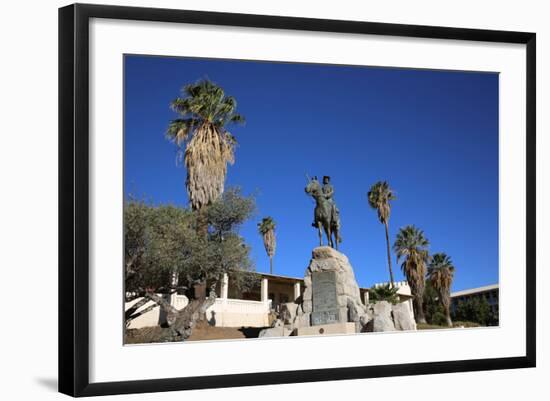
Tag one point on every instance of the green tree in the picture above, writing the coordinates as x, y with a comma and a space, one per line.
266, 228
433, 310
162, 245
384, 293
379, 197
203, 141
440, 276
474, 309
412, 246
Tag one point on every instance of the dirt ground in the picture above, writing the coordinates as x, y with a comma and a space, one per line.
203, 331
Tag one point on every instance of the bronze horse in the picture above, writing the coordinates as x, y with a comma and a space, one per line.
326, 217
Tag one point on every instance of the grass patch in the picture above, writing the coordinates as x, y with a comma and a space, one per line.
456, 325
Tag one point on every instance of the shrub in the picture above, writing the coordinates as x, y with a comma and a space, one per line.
439, 318
475, 309
384, 293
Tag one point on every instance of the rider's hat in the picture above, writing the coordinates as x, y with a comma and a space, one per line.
326, 177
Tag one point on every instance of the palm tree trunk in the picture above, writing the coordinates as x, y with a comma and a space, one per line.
202, 223
389, 255
449, 321
446, 306
420, 318
202, 233
270, 264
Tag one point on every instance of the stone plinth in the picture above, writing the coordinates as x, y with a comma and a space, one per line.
323, 329
331, 294
325, 308
331, 302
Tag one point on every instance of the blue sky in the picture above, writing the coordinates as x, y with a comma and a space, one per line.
433, 135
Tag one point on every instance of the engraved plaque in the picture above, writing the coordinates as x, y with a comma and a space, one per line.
325, 302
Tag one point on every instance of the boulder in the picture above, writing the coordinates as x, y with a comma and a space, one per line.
381, 316
288, 312
402, 317
274, 332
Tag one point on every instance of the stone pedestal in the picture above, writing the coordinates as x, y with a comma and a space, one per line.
331, 302
324, 300
331, 295
334, 328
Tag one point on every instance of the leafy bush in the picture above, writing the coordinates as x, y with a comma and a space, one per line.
384, 293
474, 309
438, 318
432, 307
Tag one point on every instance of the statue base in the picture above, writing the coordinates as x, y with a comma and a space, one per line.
331, 295
327, 329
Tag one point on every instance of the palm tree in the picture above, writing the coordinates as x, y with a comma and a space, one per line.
384, 293
412, 246
205, 145
379, 196
440, 274
267, 229
203, 140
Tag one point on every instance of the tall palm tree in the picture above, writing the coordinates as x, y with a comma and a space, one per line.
267, 230
203, 140
205, 145
412, 246
379, 196
440, 274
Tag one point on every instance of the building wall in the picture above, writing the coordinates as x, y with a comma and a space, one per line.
280, 293
155, 316
238, 313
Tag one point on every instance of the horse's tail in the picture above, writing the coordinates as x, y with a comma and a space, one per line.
337, 235
335, 225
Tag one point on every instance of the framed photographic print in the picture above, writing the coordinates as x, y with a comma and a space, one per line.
249, 199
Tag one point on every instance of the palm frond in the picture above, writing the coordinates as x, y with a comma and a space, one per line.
441, 274
266, 228
379, 198
204, 111
412, 246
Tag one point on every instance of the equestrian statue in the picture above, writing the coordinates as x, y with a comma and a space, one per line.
326, 216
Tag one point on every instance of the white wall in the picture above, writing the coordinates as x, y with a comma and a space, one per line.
155, 316
28, 221
238, 313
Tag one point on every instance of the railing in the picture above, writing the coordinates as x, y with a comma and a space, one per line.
238, 313
402, 287
224, 312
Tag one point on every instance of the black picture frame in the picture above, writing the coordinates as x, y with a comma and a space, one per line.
74, 198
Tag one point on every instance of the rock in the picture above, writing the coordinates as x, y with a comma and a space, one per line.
348, 298
302, 319
279, 331
362, 325
402, 317
382, 319
288, 312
